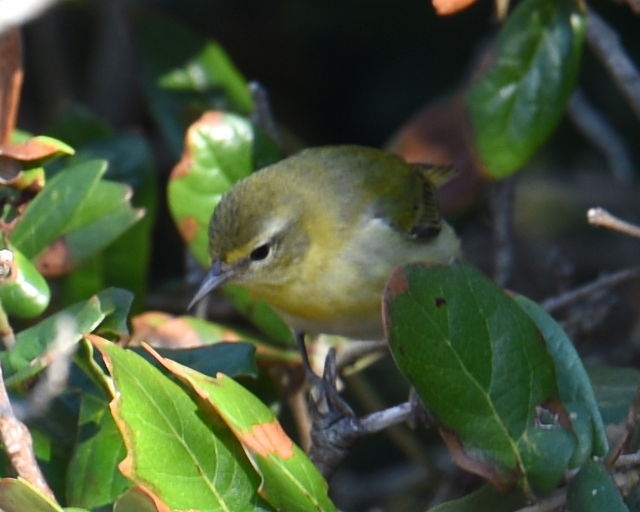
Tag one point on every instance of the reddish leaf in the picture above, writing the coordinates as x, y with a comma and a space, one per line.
441, 134
446, 7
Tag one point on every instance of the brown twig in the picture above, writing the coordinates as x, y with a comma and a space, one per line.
603, 282
601, 135
18, 444
605, 43
601, 217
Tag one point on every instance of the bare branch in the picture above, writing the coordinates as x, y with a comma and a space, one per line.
605, 43
606, 281
502, 200
601, 135
18, 444
377, 421
601, 217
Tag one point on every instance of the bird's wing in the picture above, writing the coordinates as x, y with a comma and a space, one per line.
427, 221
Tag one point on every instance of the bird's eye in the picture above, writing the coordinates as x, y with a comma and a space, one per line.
260, 252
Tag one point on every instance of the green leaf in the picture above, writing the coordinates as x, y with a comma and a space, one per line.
477, 361
518, 103
53, 208
574, 385
78, 126
185, 75
30, 354
93, 478
152, 411
137, 499
615, 388
218, 152
18, 495
235, 358
485, 499
593, 490
131, 162
290, 481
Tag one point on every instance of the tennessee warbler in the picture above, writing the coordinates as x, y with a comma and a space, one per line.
317, 234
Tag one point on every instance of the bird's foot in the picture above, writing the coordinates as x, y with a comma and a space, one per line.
334, 426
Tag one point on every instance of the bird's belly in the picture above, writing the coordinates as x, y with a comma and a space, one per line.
342, 294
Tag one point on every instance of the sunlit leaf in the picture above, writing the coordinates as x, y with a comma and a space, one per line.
93, 478
219, 150
152, 411
290, 481
32, 350
18, 495
138, 499
53, 208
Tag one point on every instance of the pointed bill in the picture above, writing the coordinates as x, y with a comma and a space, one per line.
214, 278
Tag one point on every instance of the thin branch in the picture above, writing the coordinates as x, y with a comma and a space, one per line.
377, 421
628, 460
502, 201
601, 135
606, 281
601, 217
18, 443
605, 43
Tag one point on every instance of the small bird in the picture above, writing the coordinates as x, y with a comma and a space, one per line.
317, 234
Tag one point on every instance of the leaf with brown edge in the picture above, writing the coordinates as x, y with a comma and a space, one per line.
289, 479
219, 149
481, 367
200, 466
18, 495
447, 7
35, 149
139, 499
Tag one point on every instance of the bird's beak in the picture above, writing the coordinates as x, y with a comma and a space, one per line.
214, 278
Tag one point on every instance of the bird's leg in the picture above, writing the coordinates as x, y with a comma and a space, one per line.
328, 406
334, 426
